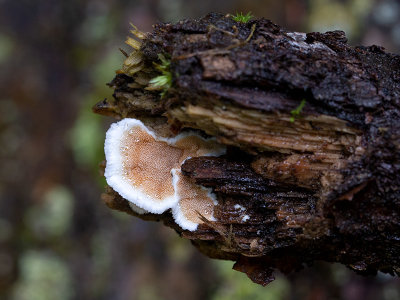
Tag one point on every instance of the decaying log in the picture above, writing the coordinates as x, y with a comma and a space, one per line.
322, 184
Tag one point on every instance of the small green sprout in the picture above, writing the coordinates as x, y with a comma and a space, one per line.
296, 112
164, 81
240, 17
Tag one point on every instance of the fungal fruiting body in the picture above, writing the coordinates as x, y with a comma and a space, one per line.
193, 201
145, 170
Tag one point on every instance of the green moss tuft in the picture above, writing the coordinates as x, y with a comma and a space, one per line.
296, 112
240, 17
162, 82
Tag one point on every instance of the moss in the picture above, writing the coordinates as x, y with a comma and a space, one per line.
297, 111
240, 17
162, 82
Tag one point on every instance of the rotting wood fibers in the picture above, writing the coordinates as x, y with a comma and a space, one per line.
324, 186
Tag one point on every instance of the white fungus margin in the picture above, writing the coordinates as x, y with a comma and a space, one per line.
186, 214
114, 172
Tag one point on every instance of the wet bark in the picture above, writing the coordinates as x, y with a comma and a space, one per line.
321, 183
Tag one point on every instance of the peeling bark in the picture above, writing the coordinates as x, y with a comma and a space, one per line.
323, 185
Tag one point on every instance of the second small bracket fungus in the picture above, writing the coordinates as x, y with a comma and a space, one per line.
145, 169
194, 200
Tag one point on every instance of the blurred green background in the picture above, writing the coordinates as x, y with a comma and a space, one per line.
57, 238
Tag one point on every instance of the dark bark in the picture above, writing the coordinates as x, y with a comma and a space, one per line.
324, 187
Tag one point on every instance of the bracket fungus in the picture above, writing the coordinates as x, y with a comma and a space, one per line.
144, 168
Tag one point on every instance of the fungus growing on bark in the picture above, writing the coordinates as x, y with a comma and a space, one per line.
194, 200
145, 169
316, 181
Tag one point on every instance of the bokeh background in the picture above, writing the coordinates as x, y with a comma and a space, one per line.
57, 238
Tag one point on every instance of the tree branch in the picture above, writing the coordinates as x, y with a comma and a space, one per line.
320, 184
